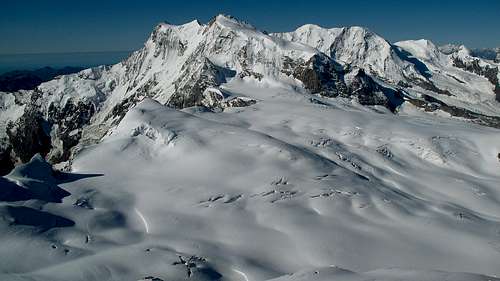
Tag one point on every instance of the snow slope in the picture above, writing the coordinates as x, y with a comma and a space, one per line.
281, 186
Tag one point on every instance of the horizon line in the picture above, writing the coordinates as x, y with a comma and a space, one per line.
65, 52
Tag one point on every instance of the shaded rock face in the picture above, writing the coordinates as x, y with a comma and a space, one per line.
320, 76
6, 159
51, 132
29, 135
428, 85
119, 110
67, 123
216, 99
239, 102
190, 86
369, 92
431, 104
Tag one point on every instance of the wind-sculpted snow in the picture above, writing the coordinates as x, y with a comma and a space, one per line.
339, 274
219, 152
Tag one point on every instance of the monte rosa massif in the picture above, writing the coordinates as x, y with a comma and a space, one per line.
221, 152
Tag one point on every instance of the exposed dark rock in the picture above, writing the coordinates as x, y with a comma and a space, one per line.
248, 73
29, 135
428, 85
191, 85
119, 110
83, 203
150, 278
431, 104
239, 102
289, 65
320, 75
369, 92
216, 99
7, 160
404, 84
384, 151
67, 123
52, 134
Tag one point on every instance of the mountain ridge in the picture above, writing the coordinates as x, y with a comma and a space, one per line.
180, 63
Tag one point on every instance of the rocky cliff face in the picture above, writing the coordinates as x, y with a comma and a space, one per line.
320, 75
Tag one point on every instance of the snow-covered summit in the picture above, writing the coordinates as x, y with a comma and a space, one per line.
423, 49
356, 46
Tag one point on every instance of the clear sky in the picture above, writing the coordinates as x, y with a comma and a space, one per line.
41, 26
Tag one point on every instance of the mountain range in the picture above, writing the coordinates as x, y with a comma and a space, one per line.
222, 152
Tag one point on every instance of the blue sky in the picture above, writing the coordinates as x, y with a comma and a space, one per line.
41, 26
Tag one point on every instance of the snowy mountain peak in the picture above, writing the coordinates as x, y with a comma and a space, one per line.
229, 22
164, 26
463, 51
422, 49
356, 46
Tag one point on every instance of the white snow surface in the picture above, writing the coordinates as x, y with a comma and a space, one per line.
283, 186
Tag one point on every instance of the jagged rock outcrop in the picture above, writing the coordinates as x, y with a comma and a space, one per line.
67, 124
217, 99
368, 92
190, 87
321, 75
29, 135
430, 104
